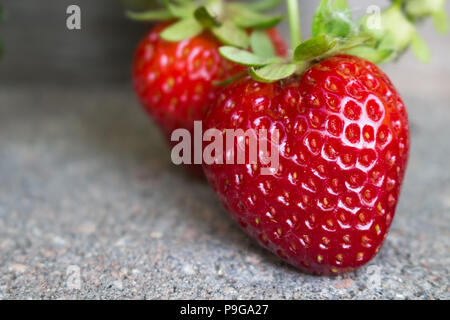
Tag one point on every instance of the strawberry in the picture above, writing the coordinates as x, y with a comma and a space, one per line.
343, 154
343, 140
175, 80
174, 75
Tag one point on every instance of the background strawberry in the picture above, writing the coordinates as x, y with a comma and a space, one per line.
344, 139
343, 153
175, 80
177, 65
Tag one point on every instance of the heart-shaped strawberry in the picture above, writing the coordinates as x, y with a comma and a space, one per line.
343, 150
338, 126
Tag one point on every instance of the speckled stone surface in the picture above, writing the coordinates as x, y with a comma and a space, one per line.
86, 184
87, 181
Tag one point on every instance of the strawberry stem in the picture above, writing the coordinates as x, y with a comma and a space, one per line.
294, 22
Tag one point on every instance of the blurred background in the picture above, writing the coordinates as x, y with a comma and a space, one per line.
40, 49
85, 177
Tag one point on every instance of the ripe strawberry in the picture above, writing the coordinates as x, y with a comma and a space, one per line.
175, 80
343, 149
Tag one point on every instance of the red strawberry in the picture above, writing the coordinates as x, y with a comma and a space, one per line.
344, 148
174, 80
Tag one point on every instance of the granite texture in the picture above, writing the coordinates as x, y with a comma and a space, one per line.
87, 181
87, 184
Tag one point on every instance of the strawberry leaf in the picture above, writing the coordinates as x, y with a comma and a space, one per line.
422, 8
246, 18
353, 42
210, 14
227, 21
440, 20
314, 48
273, 72
420, 49
245, 58
394, 30
318, 25
333, 17
261, 44
181, 30
206, 18
369, 53
263, 5
229, 34
185, 9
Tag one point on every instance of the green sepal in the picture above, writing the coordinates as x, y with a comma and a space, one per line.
206, 18
229, 34
376, 56
273, 72
420, 49
440, 20
182, 30
183, 10
261, 44
245, 18
391, 38
229, 22
263, 5
314, 48
246, 58
333, 18
356, 41
418, 9
395, 32
210, 15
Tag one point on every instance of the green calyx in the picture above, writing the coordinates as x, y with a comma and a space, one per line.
227, 21
392, 32
396, 29
419, 9
379, 36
